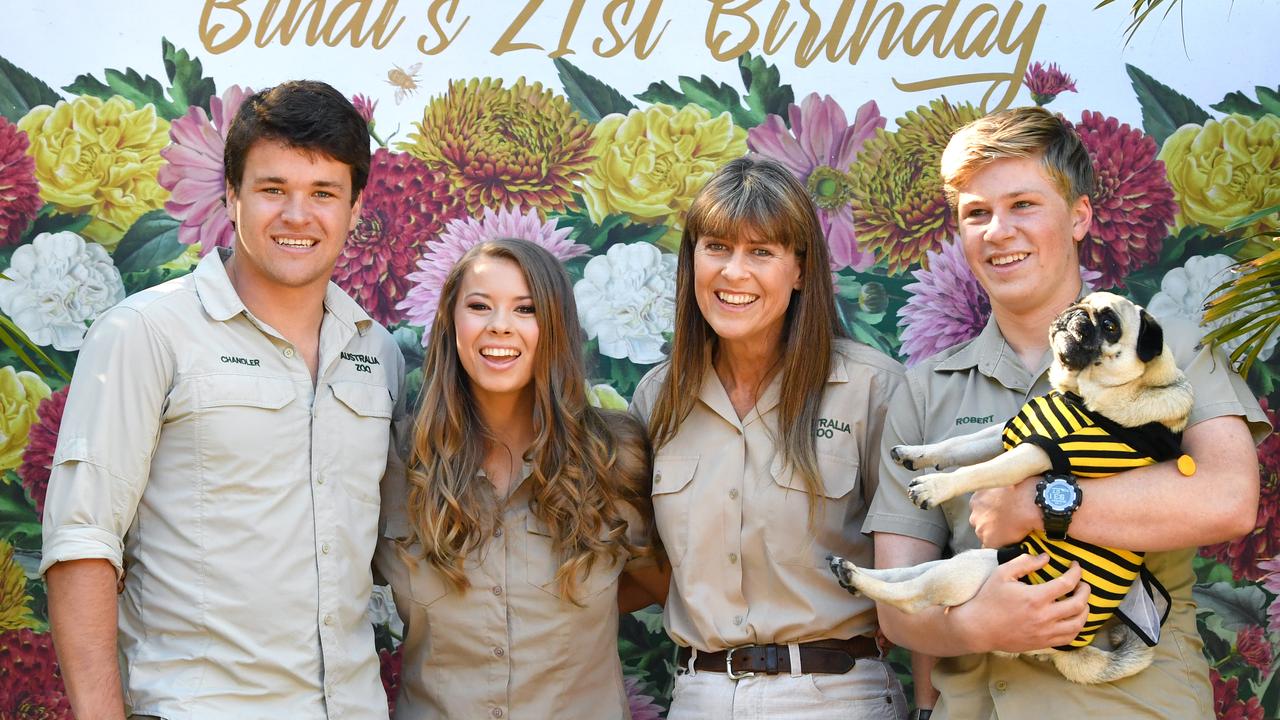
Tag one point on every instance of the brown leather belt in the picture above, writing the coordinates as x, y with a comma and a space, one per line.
832, 657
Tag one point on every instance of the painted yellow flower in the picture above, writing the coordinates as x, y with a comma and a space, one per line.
1224, 170
99, 158
14, 612
20, 396
650, 163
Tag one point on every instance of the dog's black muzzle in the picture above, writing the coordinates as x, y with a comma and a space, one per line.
1075, 338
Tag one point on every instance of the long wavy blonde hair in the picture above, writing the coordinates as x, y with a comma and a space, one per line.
586, 462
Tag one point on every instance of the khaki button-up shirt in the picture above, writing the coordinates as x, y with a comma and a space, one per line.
746, 566
242, 500
982, 383
510, 646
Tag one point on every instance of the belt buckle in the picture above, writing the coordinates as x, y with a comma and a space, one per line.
728, 665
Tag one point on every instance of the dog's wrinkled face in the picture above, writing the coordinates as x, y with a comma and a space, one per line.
1106, 337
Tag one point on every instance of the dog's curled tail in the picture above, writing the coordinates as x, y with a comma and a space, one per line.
1091, 665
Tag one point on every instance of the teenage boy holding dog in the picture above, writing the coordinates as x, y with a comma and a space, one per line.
223, 442
1020, 181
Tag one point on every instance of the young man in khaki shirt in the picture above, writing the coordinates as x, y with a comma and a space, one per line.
1020, 181
223, 443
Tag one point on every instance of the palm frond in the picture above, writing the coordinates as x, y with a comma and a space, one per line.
1254, 291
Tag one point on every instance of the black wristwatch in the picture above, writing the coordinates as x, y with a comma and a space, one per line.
920, 714
1058, 497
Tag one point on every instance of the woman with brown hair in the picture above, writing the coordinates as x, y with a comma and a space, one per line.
523, 506
766, 424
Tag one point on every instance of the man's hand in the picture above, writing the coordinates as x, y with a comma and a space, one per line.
1008, 615
1004, 516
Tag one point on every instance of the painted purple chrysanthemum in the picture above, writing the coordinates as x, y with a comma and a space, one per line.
193, 171
1133, 203
461, 235
947, 305
1047, 82
643, 706
19, 192
819, 149
406, 205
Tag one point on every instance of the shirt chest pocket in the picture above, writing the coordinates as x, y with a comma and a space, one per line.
360, 437
542, 563
242, 427
788, 535
672, 501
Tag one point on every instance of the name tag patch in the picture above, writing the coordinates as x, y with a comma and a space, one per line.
828, 427
233, 360
975, 420
363, 363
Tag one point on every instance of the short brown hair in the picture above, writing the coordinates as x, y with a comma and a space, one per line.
1025, 132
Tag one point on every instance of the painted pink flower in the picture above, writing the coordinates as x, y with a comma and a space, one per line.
193, 171
365, 106
1253, 647
1047, 82
19, 191
30, 678
1227, 704
1242, 555
461, 235
819, 149
1270, 569
406, 205
643, 706
389, 662
37, 457
1133, 203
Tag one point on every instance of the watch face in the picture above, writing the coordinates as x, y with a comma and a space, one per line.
1059, 495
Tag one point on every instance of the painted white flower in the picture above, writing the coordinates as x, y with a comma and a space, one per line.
626, 298
382, 610
57, 285
1183, 292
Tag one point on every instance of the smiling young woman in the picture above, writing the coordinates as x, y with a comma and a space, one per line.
523, 507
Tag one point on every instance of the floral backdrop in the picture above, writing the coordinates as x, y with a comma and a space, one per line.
113, 183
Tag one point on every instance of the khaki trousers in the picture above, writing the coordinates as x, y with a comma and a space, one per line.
870, 691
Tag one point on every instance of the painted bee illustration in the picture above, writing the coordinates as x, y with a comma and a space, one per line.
404, 81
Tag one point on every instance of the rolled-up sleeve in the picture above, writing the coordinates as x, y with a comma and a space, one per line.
891, 509
109, 431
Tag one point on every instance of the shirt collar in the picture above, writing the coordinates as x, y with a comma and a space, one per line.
220, 300
714, 396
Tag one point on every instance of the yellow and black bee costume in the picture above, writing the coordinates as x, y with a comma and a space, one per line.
1089, 445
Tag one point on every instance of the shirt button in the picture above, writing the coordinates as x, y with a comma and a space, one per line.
737, 619
733, 494
328, 619
288, 352
733, 557
320, 480
325, 548
497, 590
1002, 685
657, 477
499, 652
497, 533
496, 712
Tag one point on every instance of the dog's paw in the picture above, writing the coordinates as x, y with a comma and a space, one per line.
844, 572
928, 491
912, 457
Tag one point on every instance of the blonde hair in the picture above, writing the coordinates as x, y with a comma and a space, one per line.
1025, 132
586, 462
753, 195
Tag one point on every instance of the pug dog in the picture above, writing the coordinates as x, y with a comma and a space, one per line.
1110, 359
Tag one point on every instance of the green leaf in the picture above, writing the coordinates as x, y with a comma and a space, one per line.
716, 97
593, 98
1238, 607
1252, 218
1164, 109
651, 618
51, 221
19, 522
151, 242
20, 91
188, 86
143, 279
1268, 102
765, 93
